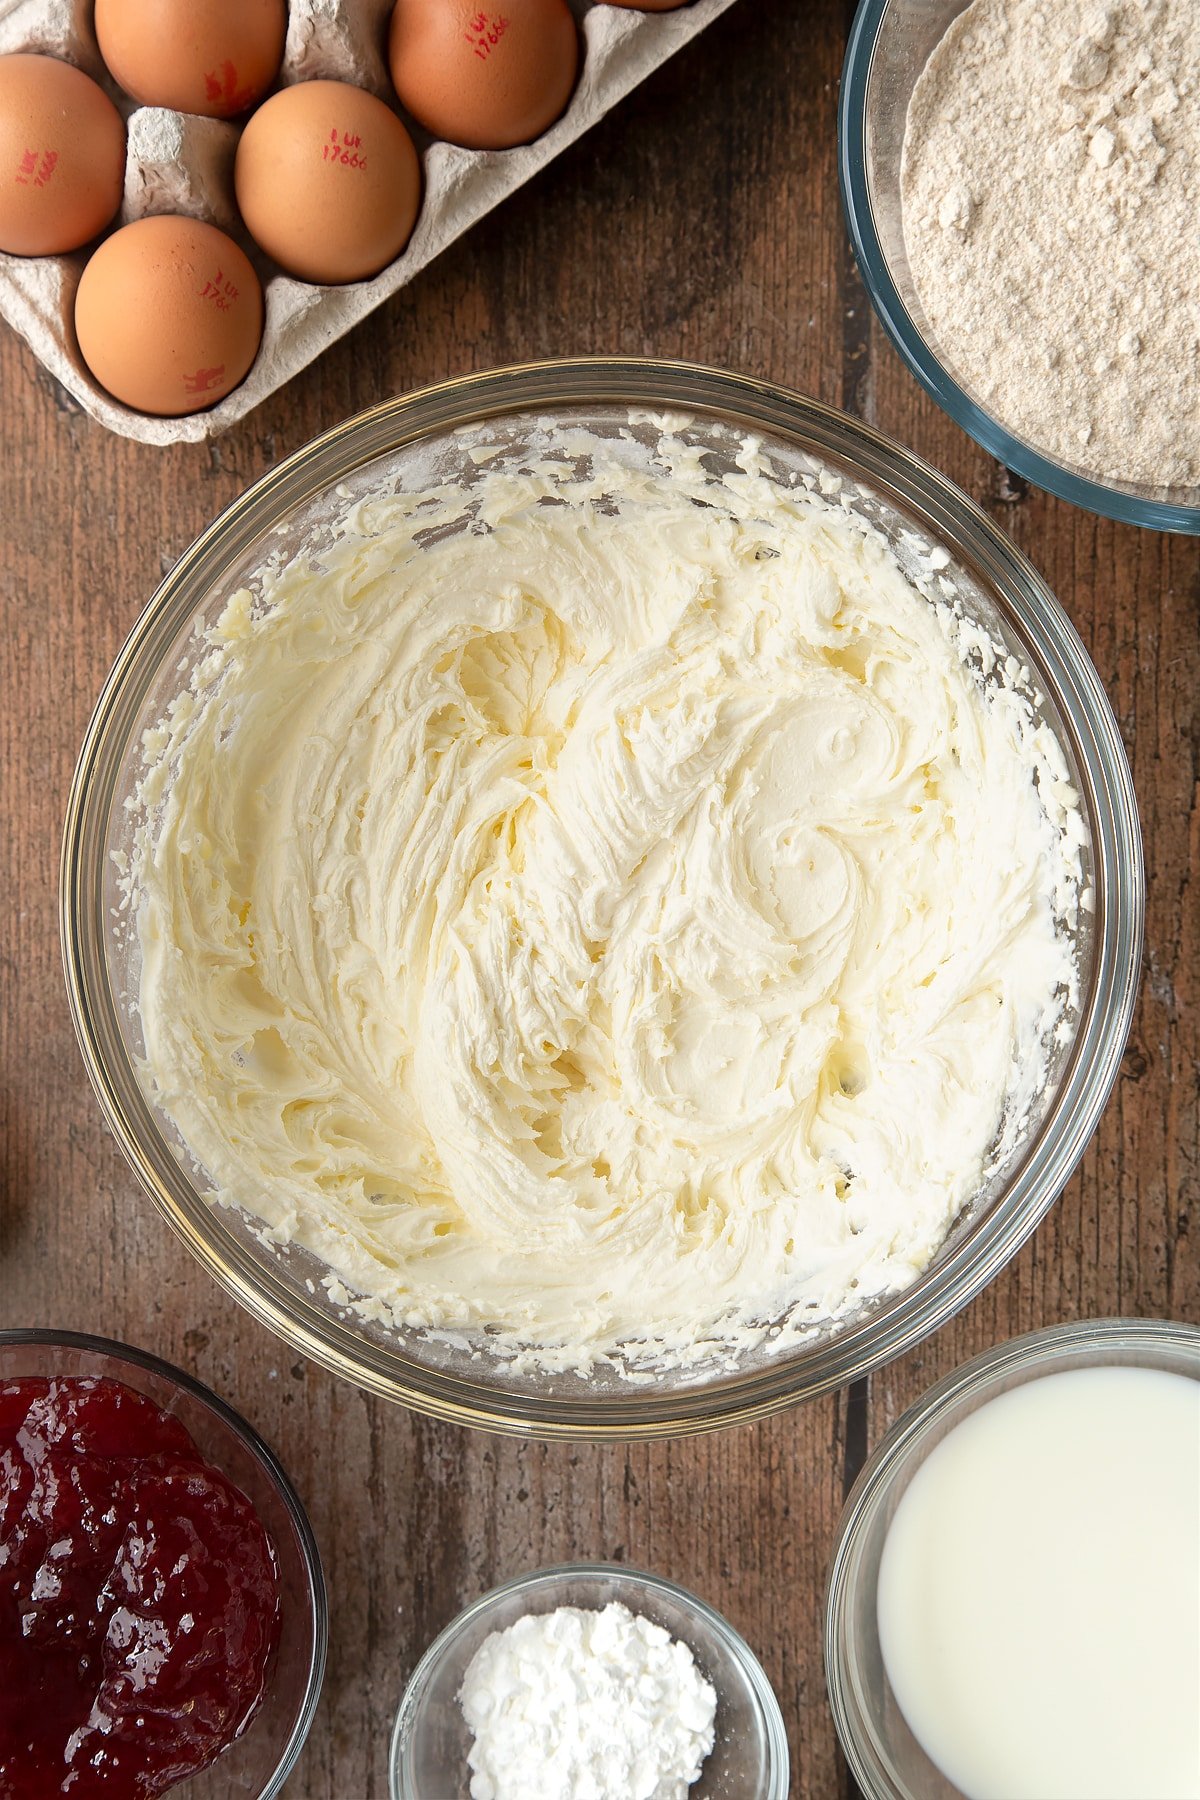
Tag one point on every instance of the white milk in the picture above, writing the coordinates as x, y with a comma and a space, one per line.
1039, 1593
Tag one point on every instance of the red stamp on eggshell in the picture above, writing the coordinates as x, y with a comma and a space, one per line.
484, 32
35, 172
221, 89
204, 380
220, 291
345, 149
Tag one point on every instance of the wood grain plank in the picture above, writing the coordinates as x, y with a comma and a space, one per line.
700, 220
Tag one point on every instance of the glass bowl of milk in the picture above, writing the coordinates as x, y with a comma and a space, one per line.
1014, 1601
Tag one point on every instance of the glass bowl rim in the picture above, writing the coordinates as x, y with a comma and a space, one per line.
918, 355
1046, 1162
45, 1337
1045, 1351
716, 1622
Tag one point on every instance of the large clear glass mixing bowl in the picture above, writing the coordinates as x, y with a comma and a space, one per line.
433, 434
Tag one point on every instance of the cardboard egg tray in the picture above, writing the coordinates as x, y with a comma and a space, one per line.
179, 163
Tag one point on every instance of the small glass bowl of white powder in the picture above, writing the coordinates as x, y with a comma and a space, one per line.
601, 1632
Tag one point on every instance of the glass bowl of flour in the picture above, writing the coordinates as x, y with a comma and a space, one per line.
589, 1678
1019, 186
602, 899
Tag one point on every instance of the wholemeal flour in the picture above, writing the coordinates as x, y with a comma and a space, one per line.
1051, 185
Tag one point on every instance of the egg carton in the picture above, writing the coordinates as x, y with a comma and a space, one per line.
179, 163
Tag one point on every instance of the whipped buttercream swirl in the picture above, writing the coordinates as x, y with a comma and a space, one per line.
609, 909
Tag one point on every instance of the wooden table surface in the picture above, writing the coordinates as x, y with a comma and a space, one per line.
700, 220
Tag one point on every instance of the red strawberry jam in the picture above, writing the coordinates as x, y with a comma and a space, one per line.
139, 1600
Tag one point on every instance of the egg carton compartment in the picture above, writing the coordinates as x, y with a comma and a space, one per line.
180, 163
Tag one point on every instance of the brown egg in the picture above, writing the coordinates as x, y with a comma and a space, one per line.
328, 181
215, 57
169, 315
62, 156
489, 76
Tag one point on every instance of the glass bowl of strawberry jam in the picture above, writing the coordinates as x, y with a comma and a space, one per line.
163, 1618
